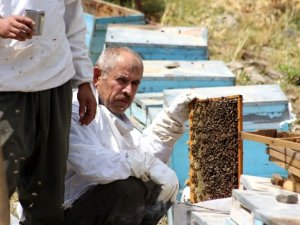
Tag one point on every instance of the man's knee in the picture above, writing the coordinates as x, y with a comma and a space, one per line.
132, 187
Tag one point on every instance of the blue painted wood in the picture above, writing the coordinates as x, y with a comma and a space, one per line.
89, 21
159, 85
262, 109
143, 103
255, 159
160, 43
160, 75
97, 15
149, 52
253, 95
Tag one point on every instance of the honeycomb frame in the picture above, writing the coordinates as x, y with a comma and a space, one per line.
215, 147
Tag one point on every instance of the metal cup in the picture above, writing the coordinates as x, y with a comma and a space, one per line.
38, 17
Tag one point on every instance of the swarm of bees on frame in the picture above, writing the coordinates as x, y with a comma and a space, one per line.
213, 146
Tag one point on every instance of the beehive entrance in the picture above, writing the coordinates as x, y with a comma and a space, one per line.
215, 147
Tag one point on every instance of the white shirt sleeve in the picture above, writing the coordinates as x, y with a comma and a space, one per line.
160, 137
150, 142
92, 159
75, 30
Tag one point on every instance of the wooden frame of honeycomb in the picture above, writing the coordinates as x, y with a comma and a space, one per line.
215, 147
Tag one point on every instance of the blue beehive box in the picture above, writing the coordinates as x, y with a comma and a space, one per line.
160, 43
264, 107
146, 105
97, 15
165, 74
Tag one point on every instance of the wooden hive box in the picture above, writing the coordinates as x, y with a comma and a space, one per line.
144, 104
97, 15
215, 147
264, 107
160, 43
166, 74
261, 208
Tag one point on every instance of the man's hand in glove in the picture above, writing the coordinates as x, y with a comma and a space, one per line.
169, 124
147, 167
179, 109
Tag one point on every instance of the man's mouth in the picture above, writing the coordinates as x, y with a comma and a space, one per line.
122, 102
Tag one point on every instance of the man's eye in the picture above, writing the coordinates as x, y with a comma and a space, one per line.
137, 83
122, 80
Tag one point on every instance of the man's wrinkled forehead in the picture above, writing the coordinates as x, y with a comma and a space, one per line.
130, 62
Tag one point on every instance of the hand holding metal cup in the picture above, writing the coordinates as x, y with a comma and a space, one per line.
38, 16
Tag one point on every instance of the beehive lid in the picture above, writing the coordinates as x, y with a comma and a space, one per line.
262, 104
156, 35
204, 70
149, 99
264, 207
254, 95
102, 9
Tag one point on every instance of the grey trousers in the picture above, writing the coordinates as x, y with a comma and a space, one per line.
36, 152
123, 202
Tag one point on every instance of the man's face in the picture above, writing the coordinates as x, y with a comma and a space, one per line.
118, 88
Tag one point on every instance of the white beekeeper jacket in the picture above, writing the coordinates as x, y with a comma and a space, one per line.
49, 60
98, 151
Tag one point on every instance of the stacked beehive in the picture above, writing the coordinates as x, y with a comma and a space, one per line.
98, 14
160, 43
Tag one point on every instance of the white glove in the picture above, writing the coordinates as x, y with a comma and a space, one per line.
179, 109
145, 166
168, 125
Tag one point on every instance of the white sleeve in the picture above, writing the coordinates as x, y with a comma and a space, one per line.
159, 138
75, 31
91, 159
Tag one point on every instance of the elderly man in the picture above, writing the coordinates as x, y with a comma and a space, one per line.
115, 176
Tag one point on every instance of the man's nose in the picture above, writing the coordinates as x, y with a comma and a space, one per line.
128, 89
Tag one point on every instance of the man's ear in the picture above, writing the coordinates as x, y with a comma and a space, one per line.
97, 74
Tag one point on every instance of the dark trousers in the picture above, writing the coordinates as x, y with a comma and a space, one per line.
123, 202
36, 152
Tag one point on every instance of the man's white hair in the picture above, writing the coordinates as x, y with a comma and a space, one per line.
108, 58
